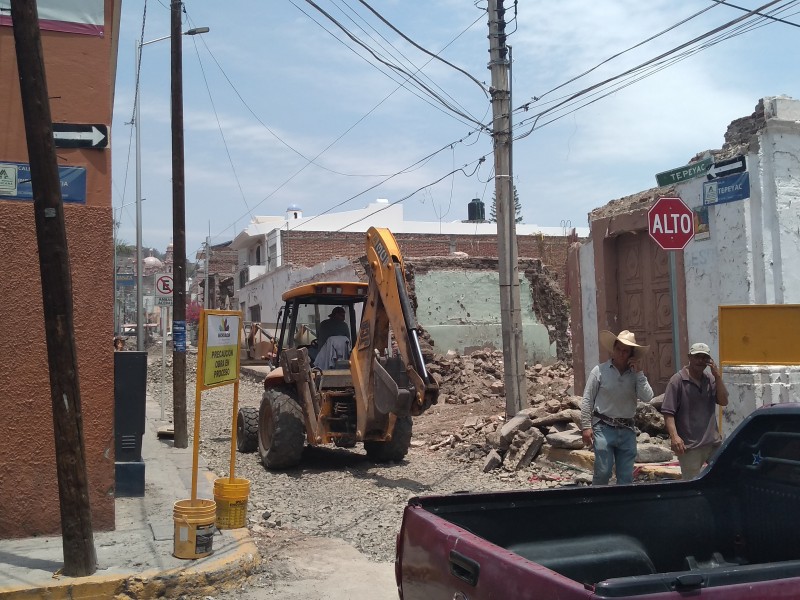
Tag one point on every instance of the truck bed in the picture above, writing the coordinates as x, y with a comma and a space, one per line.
731, 533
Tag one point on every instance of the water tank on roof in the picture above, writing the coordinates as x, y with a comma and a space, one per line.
476, 210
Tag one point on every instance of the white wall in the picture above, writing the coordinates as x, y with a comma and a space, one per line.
752, 254
591, 349
267, 290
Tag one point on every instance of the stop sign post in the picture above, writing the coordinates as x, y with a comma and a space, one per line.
670, 223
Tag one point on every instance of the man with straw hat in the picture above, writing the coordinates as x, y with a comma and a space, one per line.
609, 404
690, 402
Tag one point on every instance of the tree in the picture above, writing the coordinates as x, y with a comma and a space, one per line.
517, 208
193, 312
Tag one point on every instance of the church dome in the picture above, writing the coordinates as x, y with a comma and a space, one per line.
152, 261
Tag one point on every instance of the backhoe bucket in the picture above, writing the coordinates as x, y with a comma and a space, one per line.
391, 388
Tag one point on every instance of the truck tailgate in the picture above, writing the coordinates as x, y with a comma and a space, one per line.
439, 560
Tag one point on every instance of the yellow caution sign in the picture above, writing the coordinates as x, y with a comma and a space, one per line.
218, 347
217, 364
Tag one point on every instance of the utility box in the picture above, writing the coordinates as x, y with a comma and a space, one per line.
130, 392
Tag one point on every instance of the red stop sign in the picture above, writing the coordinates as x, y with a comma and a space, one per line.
670, 223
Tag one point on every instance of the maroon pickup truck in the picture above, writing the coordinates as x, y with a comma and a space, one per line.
732, 533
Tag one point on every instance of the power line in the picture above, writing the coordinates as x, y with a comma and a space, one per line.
760, 14
420, 48
221, 133
646, 64
397, 50
392, 66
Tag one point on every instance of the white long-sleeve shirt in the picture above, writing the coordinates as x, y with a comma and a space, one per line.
613, 394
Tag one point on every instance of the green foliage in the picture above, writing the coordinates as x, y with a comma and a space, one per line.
517, 208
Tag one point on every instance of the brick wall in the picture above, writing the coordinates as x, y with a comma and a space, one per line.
307, 248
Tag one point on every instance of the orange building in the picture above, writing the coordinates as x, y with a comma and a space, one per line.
79, 42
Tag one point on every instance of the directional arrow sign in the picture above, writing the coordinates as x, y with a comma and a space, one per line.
72, 135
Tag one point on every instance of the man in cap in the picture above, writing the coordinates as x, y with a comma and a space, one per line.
609, 404
689, 405
335, 324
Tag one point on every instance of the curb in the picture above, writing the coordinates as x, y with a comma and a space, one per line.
204, 578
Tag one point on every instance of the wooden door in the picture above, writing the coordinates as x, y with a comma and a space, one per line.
645, 307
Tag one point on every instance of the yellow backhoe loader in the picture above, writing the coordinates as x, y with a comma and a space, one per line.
349, 367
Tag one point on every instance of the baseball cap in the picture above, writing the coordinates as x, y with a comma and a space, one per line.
700, 348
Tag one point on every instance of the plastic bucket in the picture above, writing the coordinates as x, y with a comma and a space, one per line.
194, 528
231, 498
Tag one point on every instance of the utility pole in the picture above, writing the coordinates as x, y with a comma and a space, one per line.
139, 258
80, 558
207, 295
510, 311
180, 428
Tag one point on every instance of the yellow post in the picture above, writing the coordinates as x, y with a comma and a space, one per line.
197, 396
233, 428
235, 408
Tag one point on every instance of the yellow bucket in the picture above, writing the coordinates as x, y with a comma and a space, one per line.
194, 528
231, 499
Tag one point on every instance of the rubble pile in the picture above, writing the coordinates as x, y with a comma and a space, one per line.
550, 422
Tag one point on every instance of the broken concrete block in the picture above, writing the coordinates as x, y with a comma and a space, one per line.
517, 423
523, 449
492, 461
552, 406
551, 419
566, 439
471, 422
652, 453
497, 387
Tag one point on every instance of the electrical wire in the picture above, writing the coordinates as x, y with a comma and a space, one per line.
746, 9
421, 49
392, 66
397, 50
222, 133
641, 66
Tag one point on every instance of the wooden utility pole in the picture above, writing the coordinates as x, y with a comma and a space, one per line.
80, 558
510, 312
178, 235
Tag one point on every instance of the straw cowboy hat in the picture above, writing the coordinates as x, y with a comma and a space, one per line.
626, 337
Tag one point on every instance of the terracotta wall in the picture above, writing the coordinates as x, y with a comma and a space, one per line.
80, 77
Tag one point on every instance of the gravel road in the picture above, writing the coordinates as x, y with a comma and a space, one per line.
335, 493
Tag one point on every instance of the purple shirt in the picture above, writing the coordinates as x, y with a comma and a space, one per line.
694, 409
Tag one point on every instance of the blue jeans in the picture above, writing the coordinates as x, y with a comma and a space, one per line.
613, 445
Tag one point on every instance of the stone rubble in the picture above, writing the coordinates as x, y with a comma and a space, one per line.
552, 419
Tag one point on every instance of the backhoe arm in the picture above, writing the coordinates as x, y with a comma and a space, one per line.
388, 306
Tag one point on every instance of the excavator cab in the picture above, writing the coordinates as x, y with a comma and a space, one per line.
349, 368
314, 314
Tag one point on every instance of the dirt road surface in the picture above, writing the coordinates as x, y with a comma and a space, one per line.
327, 528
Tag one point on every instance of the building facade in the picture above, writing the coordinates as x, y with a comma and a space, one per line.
80, 68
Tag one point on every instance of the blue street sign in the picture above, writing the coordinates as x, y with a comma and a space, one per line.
73, 184
125, 279
179, 336
727, 189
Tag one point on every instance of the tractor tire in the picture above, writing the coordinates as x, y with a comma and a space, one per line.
247, 429
281, 429
396, 448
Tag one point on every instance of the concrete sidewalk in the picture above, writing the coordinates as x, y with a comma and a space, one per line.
136, 559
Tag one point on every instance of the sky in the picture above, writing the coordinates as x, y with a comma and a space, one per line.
282, 108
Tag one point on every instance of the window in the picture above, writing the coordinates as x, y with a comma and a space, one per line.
255, 313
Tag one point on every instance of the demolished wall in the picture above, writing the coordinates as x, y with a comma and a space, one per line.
457, 302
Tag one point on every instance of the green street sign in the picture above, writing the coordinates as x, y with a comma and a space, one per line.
696, 169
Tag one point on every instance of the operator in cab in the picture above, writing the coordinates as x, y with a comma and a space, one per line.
335, 324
